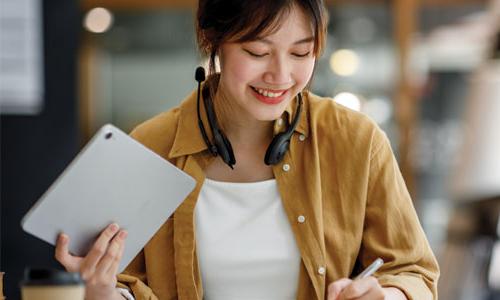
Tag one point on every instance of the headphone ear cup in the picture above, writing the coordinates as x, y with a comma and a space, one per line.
224, 148
277, 149
281, 142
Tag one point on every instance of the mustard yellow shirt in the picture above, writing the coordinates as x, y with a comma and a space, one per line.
342, 191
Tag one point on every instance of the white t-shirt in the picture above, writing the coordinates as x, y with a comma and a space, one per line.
244, 242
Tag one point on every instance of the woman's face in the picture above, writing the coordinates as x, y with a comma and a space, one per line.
262, 76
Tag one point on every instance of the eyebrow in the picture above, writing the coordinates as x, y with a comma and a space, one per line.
301, 41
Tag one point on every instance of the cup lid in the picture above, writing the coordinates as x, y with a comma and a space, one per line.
39, 276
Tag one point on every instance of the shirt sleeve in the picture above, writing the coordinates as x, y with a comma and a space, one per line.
134, 279
126, 293
392, 230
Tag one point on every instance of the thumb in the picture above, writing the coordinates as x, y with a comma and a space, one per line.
71, 263
336, 287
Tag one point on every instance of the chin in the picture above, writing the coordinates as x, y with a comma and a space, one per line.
269, 114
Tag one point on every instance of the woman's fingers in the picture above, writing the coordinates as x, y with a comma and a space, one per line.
97, 251
373, 294
113, 268
336, 287
100, 266
113, 254
347, 289
70, 262
359, 289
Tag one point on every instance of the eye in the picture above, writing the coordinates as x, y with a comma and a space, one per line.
301, 54
255, 54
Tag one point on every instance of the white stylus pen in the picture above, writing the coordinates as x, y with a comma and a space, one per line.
370, 269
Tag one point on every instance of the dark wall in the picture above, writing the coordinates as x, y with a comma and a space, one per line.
35, 149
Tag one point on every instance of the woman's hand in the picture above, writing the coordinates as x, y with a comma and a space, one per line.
362, 289
98, 269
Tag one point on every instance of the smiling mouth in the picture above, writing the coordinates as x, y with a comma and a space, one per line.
269, 93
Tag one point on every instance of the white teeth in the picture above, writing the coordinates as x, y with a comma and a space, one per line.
268, 94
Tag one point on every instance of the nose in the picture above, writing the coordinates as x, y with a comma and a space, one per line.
278, 71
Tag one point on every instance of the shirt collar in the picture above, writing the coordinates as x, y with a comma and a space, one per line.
188, 139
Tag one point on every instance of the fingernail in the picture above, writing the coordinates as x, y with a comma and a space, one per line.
113, 227
123, 234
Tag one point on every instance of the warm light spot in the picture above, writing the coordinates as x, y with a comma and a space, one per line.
344, 62
98, 20
349, 100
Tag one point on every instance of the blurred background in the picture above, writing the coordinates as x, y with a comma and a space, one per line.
428, 72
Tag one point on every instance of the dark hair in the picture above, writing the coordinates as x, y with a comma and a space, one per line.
220, 21
496, 46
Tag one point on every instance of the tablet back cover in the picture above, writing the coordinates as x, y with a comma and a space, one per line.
113, 179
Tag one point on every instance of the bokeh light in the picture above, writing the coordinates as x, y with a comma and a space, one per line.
344, 62
98, 20
348, 100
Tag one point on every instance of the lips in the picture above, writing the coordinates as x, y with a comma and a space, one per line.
269, 96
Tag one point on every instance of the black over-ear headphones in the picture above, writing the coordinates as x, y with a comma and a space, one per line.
221, 145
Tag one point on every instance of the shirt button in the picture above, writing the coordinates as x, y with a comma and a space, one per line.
286, 167
301, 219
302, 137
321, 270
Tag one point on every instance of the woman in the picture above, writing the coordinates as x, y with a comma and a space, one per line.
269, 223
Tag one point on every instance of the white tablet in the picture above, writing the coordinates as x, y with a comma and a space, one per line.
113, 179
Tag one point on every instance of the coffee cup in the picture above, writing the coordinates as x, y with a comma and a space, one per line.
48, 284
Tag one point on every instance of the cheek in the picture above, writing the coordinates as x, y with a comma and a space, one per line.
238, 71
303, 73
